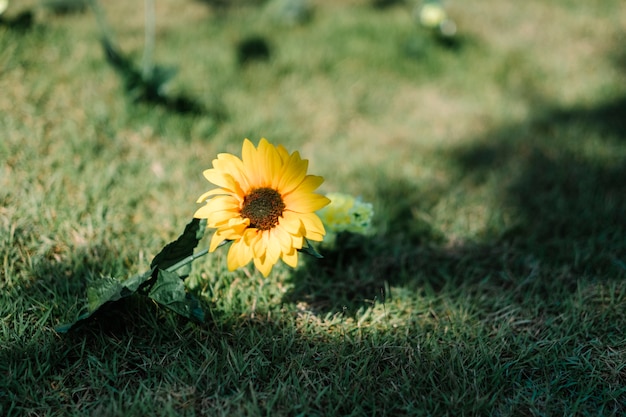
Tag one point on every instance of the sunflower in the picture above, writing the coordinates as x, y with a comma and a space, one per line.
265, 205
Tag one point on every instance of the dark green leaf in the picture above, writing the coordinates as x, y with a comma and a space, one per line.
310, 250
64, 328
181, 248
169, 291
107, 290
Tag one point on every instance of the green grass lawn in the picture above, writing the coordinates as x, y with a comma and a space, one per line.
495, 281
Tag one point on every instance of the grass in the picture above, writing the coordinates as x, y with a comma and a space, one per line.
495, 282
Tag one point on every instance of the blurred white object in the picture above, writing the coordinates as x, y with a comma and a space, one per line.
3, 5
431, 15
447, 28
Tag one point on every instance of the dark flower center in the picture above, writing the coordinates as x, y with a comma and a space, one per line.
263, 206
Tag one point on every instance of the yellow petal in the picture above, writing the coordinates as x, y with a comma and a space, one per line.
315, 236
290, 222
291, 258
284, 154
279, 234
216, 191
222, 179
221, 218
218, 210
226, 233
297, 241
232, 165
231, 233
251, 163
203, 213
216, 239
292, 174
310, 183
263, 266
272, 245
305, 202
270, 163
222, 202
239, 255
313, 225
257, 245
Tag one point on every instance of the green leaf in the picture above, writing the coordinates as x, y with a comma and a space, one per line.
181, 248
310, 250
110, 289
137, 282
64, 328
169, 291
107, 290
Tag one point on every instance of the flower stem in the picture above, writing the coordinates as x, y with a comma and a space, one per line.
192, 258
148, 49
187, 260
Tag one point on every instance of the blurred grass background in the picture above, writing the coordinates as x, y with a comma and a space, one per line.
494, 284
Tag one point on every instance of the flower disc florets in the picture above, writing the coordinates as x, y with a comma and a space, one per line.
263, 206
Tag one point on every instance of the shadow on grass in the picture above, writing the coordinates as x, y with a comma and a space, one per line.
113, 351
149, 87
559, 177
20, 23
150, 356
226, 5
258, 365
563, 181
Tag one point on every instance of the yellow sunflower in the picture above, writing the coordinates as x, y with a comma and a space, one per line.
265, 205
